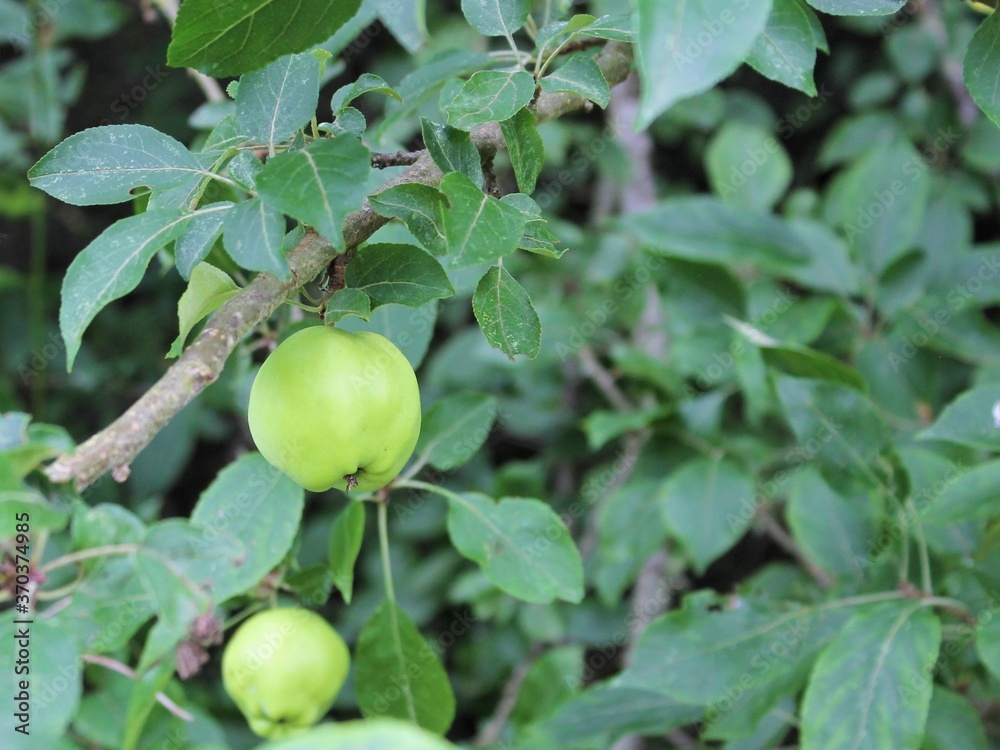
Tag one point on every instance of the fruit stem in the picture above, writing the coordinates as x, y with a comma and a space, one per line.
383, 540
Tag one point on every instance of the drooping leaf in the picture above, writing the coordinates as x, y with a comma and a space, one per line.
496, 17
227, 39
253, 233
319, 185
274, 102
366, 84
103, 165
522, 546
208, 289
982, 75
505, 314
580, 74
398, 274
452, 150
348, 302
110, 267
686, 48
192, 247
785, 50
399, 675
868, 689
454, 428
406, 21
479, 228
346, 536
524, 144
420, 207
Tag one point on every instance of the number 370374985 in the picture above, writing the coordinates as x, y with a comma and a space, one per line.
22, 562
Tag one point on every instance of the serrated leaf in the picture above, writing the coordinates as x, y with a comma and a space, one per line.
972, 419
208, 289
348, 302
581, 75
192, 247
103, 165
526, 149
227, 39
319, 185
111, 266
704, 505
686, 48
253, 233
399, 675
367, 83
398, 274
455, 428
858, 7
496, 17
785, 51
254, 502
274, 102
490, 96
420, 207
505, 314
346, 536
479, 228
452, 150
981, 71
521, 545
869, 689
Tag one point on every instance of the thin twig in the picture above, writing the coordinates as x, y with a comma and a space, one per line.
784, 540
490, 733
396, 159
604, 380
203, 361
117, 666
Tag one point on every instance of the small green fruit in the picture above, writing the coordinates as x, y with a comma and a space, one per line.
336, 409
283, 668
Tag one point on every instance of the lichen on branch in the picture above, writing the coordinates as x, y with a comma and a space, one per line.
114, 448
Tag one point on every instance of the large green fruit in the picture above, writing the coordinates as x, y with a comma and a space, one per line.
336, 409
283, 668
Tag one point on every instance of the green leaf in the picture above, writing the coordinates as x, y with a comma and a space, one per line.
366, 84
524, 144
274, 102
505, 314
747, 166
420, 207
617, 28
142, 701
833, 529
103, 165
701, 653
708, 505
371, 734
496, 17
345, 543
455, 428
706, 230
208, 289
972, 419
982, 74
785, 51
398, 674
490, 96
348, 302
227, 39
452, 150
560, 29
320, 184
686, 48
192, 247
953, 722
858, 7
55, 682
879, 203
253, 234
833, 424
479, 228
111, 266
521, 545
800, 361
398, 274
609, 711
406, 21
869, 689
973, 494
580, 74
601, 426
259, 505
